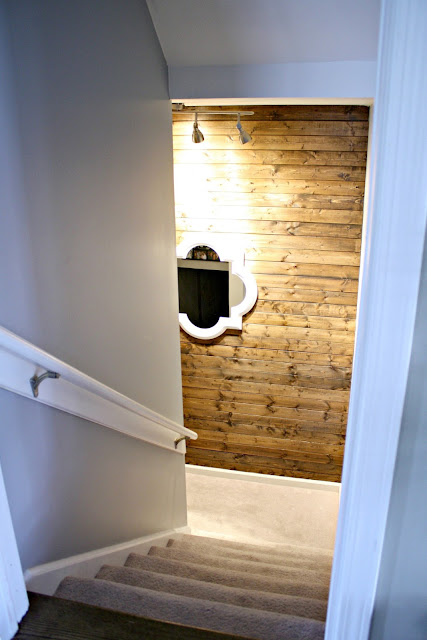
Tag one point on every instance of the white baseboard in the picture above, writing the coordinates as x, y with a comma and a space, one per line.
263, 478
45, 578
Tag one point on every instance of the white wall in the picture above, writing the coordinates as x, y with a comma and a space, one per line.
308, 80
400, 604
258, 508
87, 266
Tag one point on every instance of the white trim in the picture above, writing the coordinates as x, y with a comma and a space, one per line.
262, 478
45, 578
228, 251
395, 230
76, 393
13, 595
263, 102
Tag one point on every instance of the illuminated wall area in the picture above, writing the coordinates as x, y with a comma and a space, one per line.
273, 398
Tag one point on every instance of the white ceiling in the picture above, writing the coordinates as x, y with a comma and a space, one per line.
234, 32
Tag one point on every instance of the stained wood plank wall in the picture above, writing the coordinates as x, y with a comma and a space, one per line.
274, 398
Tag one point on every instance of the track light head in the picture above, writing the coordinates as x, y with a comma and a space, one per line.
244, 136
197, 134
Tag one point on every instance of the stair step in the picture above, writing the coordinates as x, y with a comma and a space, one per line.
212, 559
290, 605
291, 558
51, 618
272, 549
256, 624
228, 577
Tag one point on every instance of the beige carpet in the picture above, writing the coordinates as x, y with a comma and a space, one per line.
262, 592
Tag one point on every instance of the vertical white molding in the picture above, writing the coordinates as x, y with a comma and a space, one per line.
395, 229
13, 595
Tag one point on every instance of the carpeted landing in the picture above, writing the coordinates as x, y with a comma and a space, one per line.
262, 592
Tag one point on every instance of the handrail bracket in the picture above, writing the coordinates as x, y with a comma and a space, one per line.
178, 440
36, 380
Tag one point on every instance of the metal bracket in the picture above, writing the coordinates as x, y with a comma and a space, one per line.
36, 380
178, 440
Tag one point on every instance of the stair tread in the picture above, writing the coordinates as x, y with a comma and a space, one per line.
290, 556
256, 624
290, 605
55, 618
227, 577
214, 560
271, 548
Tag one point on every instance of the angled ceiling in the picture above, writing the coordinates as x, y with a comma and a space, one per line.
235, 32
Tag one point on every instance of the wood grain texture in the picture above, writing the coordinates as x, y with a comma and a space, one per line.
347, 113
274, 397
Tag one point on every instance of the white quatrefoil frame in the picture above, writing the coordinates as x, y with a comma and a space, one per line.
227, 252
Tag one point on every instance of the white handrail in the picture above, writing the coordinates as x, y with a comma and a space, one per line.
79, 394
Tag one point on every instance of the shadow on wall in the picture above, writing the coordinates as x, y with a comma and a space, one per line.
74, 486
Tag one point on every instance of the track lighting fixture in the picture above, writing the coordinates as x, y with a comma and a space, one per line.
197, 134
244, 136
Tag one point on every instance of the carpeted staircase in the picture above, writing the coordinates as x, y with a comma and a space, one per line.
266, 592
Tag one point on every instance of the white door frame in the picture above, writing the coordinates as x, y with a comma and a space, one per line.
13, 595
391, 268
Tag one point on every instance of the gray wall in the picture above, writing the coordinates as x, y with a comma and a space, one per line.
401, 601
93, 196
75, 486
87, 264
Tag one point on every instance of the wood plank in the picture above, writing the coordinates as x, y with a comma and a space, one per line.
229, 213
251, 405
314, 322
298, 333
310, 243
285, 343
234, 364
263, 156
289, 396
260, 242
246, 396
245, 462
213, 407
266, 253
312, 256
312, 434
271, 241
266, 242
218, 125
306, 282
308, 295
277, 142
306, 309
240, 423
267, 447
204, 170
263, 227
278, 442
264, 354
298, 200
302, 269
271, 377
256, 466
286, 112
271, 186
